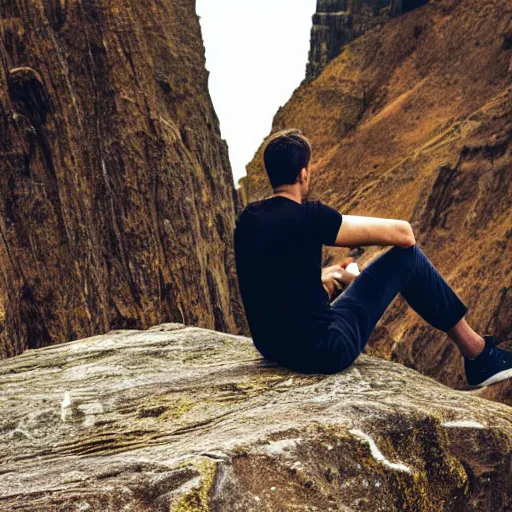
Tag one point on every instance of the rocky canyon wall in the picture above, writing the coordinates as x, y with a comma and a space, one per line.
117, 201
337, 22
413, 120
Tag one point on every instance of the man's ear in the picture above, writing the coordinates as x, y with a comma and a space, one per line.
303, 175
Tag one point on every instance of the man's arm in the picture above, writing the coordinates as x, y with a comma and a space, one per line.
356, 230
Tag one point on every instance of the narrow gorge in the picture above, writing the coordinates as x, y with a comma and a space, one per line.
128, 381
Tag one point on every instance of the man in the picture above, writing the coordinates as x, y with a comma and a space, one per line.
286, 296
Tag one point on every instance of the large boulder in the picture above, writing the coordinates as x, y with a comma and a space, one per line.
179, 418
117, 201
413, 120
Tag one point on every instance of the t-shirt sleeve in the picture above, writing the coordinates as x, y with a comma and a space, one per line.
324, 222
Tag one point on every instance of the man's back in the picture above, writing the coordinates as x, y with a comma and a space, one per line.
278, 251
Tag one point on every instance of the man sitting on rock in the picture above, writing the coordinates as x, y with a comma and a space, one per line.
287, 297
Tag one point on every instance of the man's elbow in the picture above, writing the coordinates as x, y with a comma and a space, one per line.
406, 235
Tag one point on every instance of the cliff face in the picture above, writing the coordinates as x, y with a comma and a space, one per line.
413, 120
193, 420
337, 22
116, 193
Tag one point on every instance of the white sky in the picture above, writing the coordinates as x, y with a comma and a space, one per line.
249, 79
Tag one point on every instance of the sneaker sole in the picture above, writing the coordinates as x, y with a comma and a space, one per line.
498, 377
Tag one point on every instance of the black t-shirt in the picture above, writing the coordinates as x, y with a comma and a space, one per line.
278, 254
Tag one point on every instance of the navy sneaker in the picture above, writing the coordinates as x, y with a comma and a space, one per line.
492, 365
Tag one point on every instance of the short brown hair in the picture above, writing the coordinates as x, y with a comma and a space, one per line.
286, 153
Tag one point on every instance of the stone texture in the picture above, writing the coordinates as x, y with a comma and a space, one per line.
180, 418
116, 192
413, 120
337, 22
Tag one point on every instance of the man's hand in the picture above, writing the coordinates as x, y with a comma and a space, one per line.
336, 277
331, 284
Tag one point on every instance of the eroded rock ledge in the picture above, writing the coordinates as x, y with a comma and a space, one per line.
337, 22
183, 418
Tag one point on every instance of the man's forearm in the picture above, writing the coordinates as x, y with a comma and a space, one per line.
358, 230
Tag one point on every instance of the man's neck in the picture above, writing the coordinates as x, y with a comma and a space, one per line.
290, 195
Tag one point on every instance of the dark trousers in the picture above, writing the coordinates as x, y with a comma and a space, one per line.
358, 309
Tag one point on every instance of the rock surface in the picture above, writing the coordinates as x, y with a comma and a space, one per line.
413, 120
116, 192
337, 22
179, 418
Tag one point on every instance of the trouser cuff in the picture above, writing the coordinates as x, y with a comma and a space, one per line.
456, 314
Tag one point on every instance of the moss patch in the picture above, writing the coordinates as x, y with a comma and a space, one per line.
197, 499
